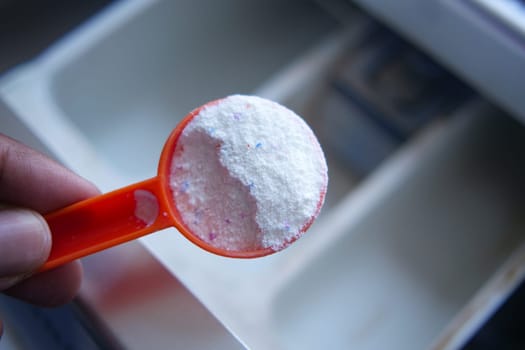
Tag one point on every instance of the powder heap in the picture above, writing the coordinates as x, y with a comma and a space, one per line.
248, 174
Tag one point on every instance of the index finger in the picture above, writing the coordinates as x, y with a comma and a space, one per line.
31, 180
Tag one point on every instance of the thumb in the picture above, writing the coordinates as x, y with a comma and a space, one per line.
25, 242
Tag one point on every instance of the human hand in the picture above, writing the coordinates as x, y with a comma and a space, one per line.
30, 185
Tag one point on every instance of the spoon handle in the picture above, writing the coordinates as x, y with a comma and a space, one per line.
104, 221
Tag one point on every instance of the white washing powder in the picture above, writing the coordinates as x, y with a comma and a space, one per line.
248, 173
146, 206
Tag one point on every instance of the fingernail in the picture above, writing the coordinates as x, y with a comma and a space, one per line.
25, 242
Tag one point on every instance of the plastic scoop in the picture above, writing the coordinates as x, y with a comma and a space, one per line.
125, 214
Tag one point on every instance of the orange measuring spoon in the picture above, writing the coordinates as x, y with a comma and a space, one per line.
104, 221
